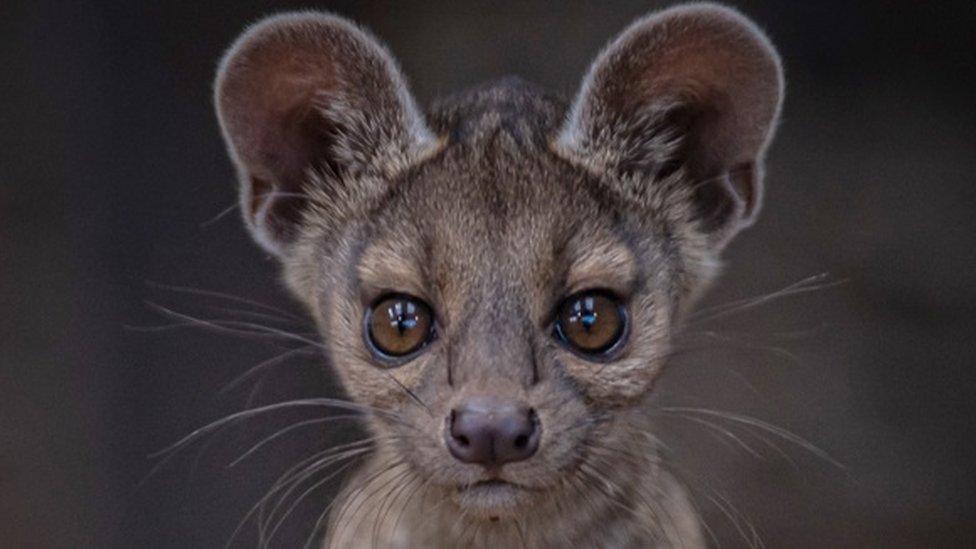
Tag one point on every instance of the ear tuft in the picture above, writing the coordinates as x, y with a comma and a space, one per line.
696, 88
305, 93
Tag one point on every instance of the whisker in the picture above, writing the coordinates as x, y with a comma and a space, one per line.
303, 495
613, 492
233, 326
736, 518
303, 465
308, 402
254, 315
747, 532
405, 479
699, 517
765, 426
413, 396
222, 214
736, 341
292, 479
298, 473
651, 505
380, 491
809, 284
353, 495
222, 295
263, 365
721, 430
226, 211
424, 485
280, 433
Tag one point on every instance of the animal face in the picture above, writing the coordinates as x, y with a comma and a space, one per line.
469, 285
497, 280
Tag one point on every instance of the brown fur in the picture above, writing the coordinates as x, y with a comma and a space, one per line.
492, 209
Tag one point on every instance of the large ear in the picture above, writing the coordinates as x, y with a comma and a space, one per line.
686, 98
306, 96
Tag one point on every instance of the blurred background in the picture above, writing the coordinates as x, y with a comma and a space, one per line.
113, 177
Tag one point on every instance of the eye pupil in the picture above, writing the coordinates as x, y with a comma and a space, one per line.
588, 320
404, 324
403, 316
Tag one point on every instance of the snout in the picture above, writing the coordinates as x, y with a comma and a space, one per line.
492, 431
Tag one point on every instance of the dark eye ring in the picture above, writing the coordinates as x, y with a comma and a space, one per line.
592, 323
397, 327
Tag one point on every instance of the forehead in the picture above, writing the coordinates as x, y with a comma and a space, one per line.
500, 218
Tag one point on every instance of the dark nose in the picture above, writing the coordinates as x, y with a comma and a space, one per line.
491, 432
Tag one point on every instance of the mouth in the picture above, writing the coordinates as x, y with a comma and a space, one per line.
492, 498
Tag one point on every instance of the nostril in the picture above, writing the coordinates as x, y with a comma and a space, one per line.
452, 428
522, 440
457, 438
524, 437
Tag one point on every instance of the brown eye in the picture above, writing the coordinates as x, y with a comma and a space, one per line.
591, 322
398, 325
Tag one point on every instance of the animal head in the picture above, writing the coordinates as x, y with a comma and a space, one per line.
499, 278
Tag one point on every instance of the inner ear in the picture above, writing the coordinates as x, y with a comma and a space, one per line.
731, 195
692, 92
310, 100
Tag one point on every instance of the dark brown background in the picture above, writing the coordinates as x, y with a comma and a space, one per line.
111, 162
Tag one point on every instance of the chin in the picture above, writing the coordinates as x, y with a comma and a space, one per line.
494, 499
